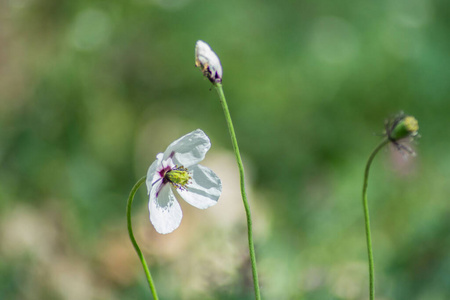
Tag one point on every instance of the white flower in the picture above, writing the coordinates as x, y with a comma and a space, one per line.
208, 62
177, 168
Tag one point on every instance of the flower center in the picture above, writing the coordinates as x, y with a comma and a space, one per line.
179, 177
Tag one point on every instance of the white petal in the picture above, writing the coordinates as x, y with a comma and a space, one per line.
189, 149
152, 175
205, 188
165, 211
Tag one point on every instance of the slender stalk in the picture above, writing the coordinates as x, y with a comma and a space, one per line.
133, 240
251, 246
367, 219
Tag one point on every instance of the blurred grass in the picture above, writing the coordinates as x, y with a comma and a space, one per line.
91, 91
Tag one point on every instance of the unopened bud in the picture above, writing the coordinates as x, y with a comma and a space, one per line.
208, 62
405, 126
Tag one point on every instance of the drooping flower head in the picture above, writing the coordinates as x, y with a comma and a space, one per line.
177, 169
400, 127
208, 61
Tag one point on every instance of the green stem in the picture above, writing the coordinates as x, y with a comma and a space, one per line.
251, 246
133, 240
367, 219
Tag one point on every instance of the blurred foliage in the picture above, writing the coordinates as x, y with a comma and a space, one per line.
91, 91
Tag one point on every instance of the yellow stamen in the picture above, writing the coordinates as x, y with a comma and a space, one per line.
179, 177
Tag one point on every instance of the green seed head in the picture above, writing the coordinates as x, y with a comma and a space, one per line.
179, 177
405, 127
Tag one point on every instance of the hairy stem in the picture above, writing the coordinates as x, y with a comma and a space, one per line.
133, 240
251, 246
367, 219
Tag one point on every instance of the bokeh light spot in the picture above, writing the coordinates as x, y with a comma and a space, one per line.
334, 40
91, 29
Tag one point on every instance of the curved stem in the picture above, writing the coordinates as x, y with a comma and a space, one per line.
133, 240
251, 246
367, 219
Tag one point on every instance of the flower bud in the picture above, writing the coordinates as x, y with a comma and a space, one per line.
403, 126
208, 62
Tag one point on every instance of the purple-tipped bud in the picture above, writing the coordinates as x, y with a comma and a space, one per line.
208, 61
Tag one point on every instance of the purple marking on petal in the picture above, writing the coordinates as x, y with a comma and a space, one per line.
163, 171
160, 188
172, 154
156, 181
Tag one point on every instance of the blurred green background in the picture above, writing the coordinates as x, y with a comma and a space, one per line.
91, 91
